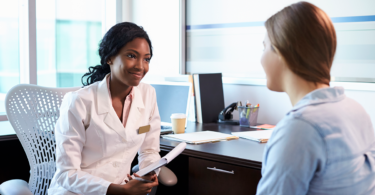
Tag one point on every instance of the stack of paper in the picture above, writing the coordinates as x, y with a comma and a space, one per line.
261, 136
200, 137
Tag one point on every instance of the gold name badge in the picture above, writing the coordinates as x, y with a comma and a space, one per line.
144, 129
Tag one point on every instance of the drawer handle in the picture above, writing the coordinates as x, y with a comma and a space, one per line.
220, 170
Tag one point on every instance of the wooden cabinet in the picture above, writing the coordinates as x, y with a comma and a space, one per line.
210, 177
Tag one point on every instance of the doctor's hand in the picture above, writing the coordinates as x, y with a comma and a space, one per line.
134, 187
148, 176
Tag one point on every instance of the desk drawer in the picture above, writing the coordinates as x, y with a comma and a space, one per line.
209, 177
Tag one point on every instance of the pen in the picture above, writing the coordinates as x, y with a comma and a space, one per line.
256, 108
143, 180
248, 107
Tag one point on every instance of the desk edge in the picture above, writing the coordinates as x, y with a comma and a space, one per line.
217, 157
8, 137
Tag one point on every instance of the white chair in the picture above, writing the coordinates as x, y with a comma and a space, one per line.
33, 111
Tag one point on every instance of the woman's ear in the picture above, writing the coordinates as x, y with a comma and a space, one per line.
278, 53
281, 58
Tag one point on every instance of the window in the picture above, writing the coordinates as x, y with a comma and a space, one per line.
227, 37
67, 37
67, 40
9, 49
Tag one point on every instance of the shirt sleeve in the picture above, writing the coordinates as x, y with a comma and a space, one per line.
70, 140
293, 155
150, 148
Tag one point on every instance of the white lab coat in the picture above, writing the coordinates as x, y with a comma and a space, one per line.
93, 149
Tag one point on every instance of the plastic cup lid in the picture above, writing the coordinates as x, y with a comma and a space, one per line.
178, 115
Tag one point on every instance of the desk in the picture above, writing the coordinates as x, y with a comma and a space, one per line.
242, 156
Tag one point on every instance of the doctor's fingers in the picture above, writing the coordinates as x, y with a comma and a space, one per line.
154, 183
151, 173
129, 177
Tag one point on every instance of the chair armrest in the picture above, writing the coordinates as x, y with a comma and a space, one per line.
166, 176
15, 187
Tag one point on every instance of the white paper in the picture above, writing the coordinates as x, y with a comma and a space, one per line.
163, 161
254, 135
152, 167
198, 136
175, 152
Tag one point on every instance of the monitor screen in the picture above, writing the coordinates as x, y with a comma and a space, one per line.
171, 99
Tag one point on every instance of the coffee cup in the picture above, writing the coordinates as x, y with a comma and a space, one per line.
178, 123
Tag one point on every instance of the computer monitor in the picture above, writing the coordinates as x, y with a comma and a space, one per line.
172, 97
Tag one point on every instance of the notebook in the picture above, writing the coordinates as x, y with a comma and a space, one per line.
261, 136
200, 137
209, 96
164, 160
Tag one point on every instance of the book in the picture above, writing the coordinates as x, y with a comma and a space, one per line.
209, 97
164, 160
261, 136
200, 137
192, 110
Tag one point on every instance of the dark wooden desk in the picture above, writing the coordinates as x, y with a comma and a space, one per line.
244, 157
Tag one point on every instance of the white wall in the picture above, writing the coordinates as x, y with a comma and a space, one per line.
274, 105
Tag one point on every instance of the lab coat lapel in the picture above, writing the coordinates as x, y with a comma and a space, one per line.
136, 112
104, 106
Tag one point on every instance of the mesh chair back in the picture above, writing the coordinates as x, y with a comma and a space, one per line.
33, 111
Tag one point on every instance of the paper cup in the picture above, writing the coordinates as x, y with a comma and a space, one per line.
178, 123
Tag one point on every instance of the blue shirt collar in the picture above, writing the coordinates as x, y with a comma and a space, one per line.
321, 96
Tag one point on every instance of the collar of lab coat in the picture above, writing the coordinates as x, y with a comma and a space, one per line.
111, 119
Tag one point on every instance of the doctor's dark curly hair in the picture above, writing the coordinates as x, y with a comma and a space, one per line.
116, 38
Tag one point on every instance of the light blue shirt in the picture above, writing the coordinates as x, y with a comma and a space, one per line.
324, 145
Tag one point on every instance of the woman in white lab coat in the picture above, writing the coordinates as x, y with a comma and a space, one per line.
98, 133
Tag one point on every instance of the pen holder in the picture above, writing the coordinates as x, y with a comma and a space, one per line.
248, 116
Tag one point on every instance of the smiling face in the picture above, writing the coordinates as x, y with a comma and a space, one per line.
273, 65
131, 64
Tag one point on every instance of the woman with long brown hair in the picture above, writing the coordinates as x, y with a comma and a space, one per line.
326, 143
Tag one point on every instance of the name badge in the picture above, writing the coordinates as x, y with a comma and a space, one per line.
144, 129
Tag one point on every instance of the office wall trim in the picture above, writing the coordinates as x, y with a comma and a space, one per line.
27, 42
32, 43
182, 36
353, 86
369, 18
